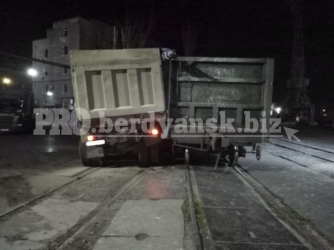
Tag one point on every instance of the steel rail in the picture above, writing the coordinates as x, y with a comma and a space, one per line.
303, 230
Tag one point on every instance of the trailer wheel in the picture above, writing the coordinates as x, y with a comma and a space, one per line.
233, 157
83, 156
258, 153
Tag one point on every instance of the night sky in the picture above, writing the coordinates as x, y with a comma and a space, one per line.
232, 28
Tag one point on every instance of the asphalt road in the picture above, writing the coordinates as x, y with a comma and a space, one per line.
48, 200
313, 135
49, 167
31, 166
36, 151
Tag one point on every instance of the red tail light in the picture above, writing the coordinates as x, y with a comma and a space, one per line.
154, 131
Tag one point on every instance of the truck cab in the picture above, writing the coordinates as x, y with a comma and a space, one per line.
16, 114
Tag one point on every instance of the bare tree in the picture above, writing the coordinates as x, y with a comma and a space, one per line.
136, 29
115, 37
189, 38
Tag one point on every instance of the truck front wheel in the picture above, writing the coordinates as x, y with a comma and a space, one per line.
95, 162
83, 156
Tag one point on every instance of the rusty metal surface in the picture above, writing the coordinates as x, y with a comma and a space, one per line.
202, 87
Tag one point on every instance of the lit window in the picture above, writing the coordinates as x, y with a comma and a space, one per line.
63, 70
65, 31
45, 72
46, 53
64, 50
64, 88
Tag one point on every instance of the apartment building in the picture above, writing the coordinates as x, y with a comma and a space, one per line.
52, 87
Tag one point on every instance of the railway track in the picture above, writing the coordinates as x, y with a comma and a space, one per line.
36, 200
301, 228
99, 216
69, 239
323, 154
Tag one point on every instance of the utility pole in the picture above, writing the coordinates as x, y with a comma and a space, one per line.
297, 99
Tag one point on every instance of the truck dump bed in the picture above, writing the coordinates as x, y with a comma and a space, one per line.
118, 82
202, 87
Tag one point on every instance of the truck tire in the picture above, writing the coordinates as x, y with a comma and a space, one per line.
153, 153
83, 156
233, 155
143, 156
233, 158
95, 162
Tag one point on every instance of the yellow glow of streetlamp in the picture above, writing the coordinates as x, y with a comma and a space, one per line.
6, 80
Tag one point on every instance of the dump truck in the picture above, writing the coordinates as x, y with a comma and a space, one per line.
158, 108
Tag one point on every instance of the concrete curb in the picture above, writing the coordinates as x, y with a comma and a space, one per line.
196, 234
204, 233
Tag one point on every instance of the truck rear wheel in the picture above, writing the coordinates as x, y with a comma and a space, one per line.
143, 156
147, 155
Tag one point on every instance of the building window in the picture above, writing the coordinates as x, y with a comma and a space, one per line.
44, 89
64, 50
45, 72
65, 31
64, 88
46, 53
63, 70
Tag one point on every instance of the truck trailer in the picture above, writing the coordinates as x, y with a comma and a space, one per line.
131, 101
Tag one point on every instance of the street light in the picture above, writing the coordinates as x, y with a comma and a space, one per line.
6, 80
49, 93
32, 72
278, 110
